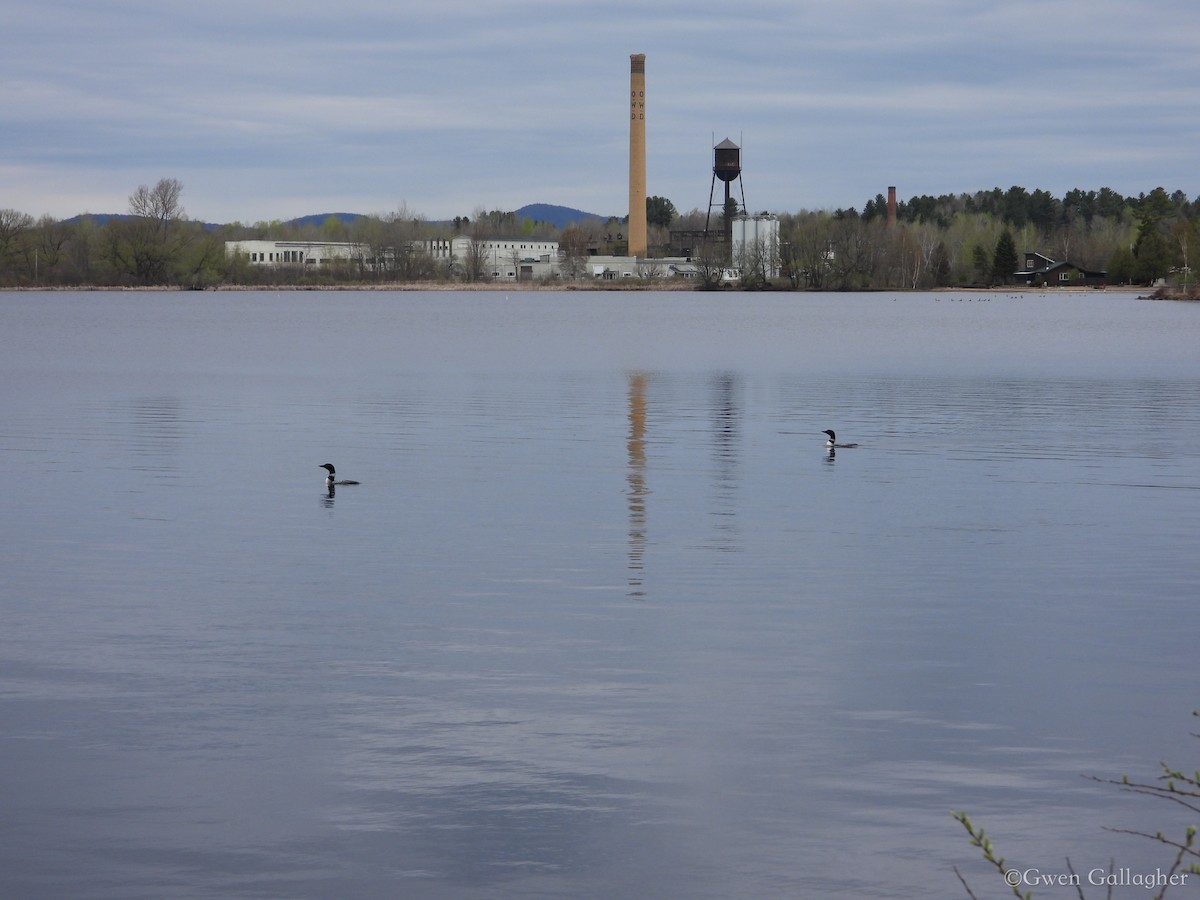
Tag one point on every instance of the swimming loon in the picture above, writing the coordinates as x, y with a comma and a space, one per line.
329, 481
832, 442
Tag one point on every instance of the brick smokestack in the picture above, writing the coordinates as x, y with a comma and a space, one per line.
637, 154
891, 210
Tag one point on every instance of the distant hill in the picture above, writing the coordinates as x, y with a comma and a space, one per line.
320, 218
98, 218
558, 216
105, 218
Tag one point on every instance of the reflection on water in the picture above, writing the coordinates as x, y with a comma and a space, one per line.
605, 617
158, 428
726, 437
637, 491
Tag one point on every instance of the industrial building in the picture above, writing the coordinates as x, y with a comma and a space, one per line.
502, 259
294, 253
754, 245
744, 247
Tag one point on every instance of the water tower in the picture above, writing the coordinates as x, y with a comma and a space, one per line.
727, 166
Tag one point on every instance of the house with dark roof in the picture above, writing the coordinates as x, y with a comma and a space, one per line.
1042, 271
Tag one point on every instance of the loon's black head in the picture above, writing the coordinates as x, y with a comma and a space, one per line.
832, 442
329, 480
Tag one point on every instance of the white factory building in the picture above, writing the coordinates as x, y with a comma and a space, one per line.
754, 247
503, 259
293, 253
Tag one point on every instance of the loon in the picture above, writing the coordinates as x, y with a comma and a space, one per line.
329, 481
832, 442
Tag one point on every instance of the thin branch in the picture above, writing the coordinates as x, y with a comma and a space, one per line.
1077, 881
966, 887
1161, 838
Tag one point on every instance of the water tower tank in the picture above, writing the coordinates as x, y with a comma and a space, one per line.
727, 161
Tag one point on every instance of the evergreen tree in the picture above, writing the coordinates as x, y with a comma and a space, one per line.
1121, 266
1004, 260
660, 211
939, 265
875, 209
1154, 256
983, 265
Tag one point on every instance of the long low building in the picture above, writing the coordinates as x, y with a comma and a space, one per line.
514, 259
511, 259
294, 253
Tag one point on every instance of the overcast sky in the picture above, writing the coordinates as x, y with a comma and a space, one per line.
266, 109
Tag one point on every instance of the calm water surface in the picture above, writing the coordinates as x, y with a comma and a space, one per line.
603, 619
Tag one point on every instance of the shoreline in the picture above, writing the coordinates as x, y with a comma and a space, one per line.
389, 287
1191, 294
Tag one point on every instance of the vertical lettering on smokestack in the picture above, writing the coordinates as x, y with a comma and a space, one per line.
637, 154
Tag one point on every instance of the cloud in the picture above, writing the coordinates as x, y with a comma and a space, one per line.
455, 105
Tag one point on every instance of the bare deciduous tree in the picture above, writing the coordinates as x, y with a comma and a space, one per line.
573, 248
807, 252
651, 270
474, 263
148, 246
710, 264
159, 203
13, 228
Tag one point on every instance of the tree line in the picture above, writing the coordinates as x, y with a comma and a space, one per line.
951, 240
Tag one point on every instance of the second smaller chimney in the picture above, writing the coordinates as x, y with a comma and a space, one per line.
891, 210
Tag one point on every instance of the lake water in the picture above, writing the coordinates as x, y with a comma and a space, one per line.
603, 618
